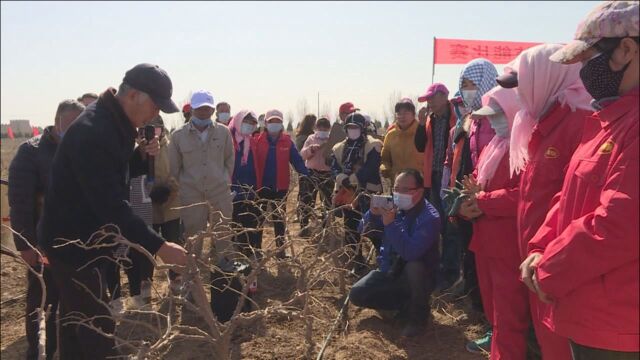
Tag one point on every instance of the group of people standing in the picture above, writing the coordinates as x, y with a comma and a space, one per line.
544, 224
513, 186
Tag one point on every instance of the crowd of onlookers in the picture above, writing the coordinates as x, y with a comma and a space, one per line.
519, 190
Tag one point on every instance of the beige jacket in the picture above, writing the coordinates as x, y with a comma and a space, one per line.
203, 169
165, 212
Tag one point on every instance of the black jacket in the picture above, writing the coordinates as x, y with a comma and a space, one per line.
89, 185
28, 180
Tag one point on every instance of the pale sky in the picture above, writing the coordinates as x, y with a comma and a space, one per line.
254, 55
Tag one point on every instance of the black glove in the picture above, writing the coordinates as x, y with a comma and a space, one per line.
160, 194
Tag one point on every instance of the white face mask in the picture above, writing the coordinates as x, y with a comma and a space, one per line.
322, 134
469, 96
224, 117
402, 201
247, 129
274, 128
500, 124
353, 133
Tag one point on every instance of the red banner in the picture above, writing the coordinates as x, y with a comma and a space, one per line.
456, 51
10, 133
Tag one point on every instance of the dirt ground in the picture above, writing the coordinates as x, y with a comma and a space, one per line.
366, 335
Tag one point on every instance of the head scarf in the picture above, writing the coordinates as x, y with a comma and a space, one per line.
498, 147
541, 83
483, 73
236, 124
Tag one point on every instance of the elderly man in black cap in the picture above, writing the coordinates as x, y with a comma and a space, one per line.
89, 192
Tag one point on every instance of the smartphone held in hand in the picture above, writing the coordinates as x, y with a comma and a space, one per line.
382, 201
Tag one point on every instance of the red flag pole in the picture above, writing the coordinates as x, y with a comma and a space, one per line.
433, 65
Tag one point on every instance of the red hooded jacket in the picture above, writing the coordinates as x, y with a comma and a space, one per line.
590, 237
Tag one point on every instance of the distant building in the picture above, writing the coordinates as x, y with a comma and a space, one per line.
20, 128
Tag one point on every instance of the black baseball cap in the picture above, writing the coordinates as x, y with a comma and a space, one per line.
151, 79
508, 80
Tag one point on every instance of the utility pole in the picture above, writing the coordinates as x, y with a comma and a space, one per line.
318, 115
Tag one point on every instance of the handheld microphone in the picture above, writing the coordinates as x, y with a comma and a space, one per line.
149, 134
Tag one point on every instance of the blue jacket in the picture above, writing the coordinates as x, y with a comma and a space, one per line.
295, 159
244, 176
411, 235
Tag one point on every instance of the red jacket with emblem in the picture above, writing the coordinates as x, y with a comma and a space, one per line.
589, 239
552, 143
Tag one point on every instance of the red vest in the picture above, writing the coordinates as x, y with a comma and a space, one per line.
260, 151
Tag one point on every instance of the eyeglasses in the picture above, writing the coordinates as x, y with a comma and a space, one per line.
404, 190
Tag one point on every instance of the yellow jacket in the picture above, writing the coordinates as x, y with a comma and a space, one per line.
399, 152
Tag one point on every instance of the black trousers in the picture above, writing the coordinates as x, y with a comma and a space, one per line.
410, 292
34, 295
277, 200
309, 187
138, 270
79, 341
172, 231
352, 221
246, 215
581, 352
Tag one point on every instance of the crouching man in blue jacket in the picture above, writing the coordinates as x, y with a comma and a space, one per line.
408, 257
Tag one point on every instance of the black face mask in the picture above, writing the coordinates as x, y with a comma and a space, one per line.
598, 78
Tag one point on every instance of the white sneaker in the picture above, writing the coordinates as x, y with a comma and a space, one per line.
117, 307
138, 302
145, 291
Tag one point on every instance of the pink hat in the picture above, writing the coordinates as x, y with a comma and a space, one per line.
432, 90
610, 19
273, 114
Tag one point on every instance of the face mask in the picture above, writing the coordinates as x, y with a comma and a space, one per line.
598, 78
469, 96
274, 128
353, 133
402, 201
247, 129
500, 124
322, 134
224, 117
200, 122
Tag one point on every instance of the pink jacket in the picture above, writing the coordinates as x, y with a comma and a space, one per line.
589, 239
314, 160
